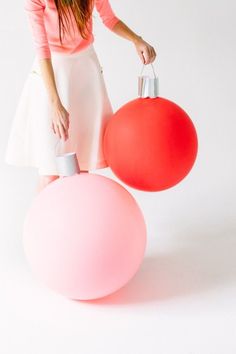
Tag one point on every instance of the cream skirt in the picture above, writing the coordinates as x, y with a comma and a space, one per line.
82, 91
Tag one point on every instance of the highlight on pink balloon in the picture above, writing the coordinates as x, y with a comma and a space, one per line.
84, 236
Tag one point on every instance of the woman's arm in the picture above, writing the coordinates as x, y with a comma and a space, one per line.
60, 116
49, 79
145, 51
35, 12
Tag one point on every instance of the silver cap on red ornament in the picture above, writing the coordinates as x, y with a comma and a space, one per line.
147, 86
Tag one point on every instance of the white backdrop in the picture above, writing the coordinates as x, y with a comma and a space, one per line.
182, 300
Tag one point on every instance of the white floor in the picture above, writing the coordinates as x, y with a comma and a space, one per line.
182, 300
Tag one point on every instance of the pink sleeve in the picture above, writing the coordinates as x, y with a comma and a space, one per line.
106, 13
35, 14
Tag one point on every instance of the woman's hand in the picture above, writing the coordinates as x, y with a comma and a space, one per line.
145, 51
60, 120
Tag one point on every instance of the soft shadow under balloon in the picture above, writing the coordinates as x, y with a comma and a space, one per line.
204, 263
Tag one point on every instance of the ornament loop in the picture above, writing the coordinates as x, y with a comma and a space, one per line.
147, 86
152, 70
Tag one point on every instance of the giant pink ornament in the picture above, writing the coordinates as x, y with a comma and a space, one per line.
84, 236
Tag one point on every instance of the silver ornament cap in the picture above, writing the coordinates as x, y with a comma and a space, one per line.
67, 164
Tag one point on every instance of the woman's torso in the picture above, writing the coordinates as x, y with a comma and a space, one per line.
44, 22
73, 42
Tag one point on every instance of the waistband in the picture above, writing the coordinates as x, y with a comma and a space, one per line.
84, 51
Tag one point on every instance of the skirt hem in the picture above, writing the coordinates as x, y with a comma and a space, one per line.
99, 165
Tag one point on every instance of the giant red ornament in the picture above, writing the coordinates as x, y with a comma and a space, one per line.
150, 144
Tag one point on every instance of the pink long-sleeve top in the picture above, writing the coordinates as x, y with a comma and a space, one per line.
44, 24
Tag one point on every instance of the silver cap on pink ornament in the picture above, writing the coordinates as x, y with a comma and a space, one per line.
67, 163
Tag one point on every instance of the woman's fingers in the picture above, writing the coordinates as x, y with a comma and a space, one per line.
66, 127
151, 54
62, 131
146, 52
57, 131
61, 128
146, 55
53, 128
60, 120
64, 119
65, 122
140, 53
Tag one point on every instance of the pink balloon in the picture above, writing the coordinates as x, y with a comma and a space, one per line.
84, 236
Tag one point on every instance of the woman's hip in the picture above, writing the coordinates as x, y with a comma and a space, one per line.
81, 64
83, 52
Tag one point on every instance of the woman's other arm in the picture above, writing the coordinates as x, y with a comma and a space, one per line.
35, 15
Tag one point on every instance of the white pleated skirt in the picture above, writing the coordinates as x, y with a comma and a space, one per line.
82, 91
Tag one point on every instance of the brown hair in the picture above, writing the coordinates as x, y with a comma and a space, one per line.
80, 9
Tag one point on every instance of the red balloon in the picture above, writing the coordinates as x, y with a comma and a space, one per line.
150, 144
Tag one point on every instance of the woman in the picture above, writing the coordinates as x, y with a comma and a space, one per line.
64, 98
